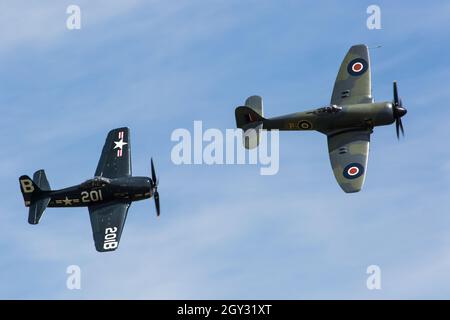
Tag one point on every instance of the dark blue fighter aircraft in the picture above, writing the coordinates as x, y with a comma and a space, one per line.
108, 195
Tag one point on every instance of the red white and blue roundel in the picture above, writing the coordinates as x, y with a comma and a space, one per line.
353, 171
357, 67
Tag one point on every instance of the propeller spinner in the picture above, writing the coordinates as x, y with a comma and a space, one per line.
399, 111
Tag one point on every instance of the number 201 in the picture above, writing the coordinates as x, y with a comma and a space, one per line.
94, 196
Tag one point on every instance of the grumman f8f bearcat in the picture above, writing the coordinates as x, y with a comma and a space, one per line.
347, 122
108, 195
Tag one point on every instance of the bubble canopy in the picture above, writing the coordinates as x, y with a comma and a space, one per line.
96, 182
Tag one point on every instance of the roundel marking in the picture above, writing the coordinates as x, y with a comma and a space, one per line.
353, 171
357, 67
305, 125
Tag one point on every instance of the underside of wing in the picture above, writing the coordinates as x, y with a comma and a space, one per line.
349, 152
107, 221
353, 82
115, 160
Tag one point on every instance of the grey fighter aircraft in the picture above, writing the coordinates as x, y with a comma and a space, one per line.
108, 195
347, 121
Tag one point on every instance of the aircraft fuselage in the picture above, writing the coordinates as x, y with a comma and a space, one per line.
101, 190
334, 118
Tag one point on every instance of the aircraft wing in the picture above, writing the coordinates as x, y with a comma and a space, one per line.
353, 82
348, 155
107, 221
115, 160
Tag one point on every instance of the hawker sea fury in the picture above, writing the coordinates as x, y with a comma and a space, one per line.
347, 122
108, 195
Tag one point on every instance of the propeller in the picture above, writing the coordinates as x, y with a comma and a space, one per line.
154, 186
399, 111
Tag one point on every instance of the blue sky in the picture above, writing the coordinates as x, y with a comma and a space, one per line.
225, 231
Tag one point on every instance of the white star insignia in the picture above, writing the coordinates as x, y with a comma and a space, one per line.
119, 144
67, 201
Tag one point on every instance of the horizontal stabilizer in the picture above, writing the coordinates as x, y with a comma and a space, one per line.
251, 123
256, 103
250, 119
40, 179
37, 208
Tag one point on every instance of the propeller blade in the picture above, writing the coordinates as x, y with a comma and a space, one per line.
401, 126
156, 196
396, 129
396, 101
153, 172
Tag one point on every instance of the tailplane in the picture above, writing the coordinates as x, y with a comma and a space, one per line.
35, 195
250, 116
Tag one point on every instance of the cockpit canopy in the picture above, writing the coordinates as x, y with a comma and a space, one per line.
96, 182
329, 109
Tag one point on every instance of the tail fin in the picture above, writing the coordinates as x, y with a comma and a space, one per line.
34, 195
250, 116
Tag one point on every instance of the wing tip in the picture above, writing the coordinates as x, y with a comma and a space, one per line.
360, 45
352, 186
119, 129
351, 190
101, 249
